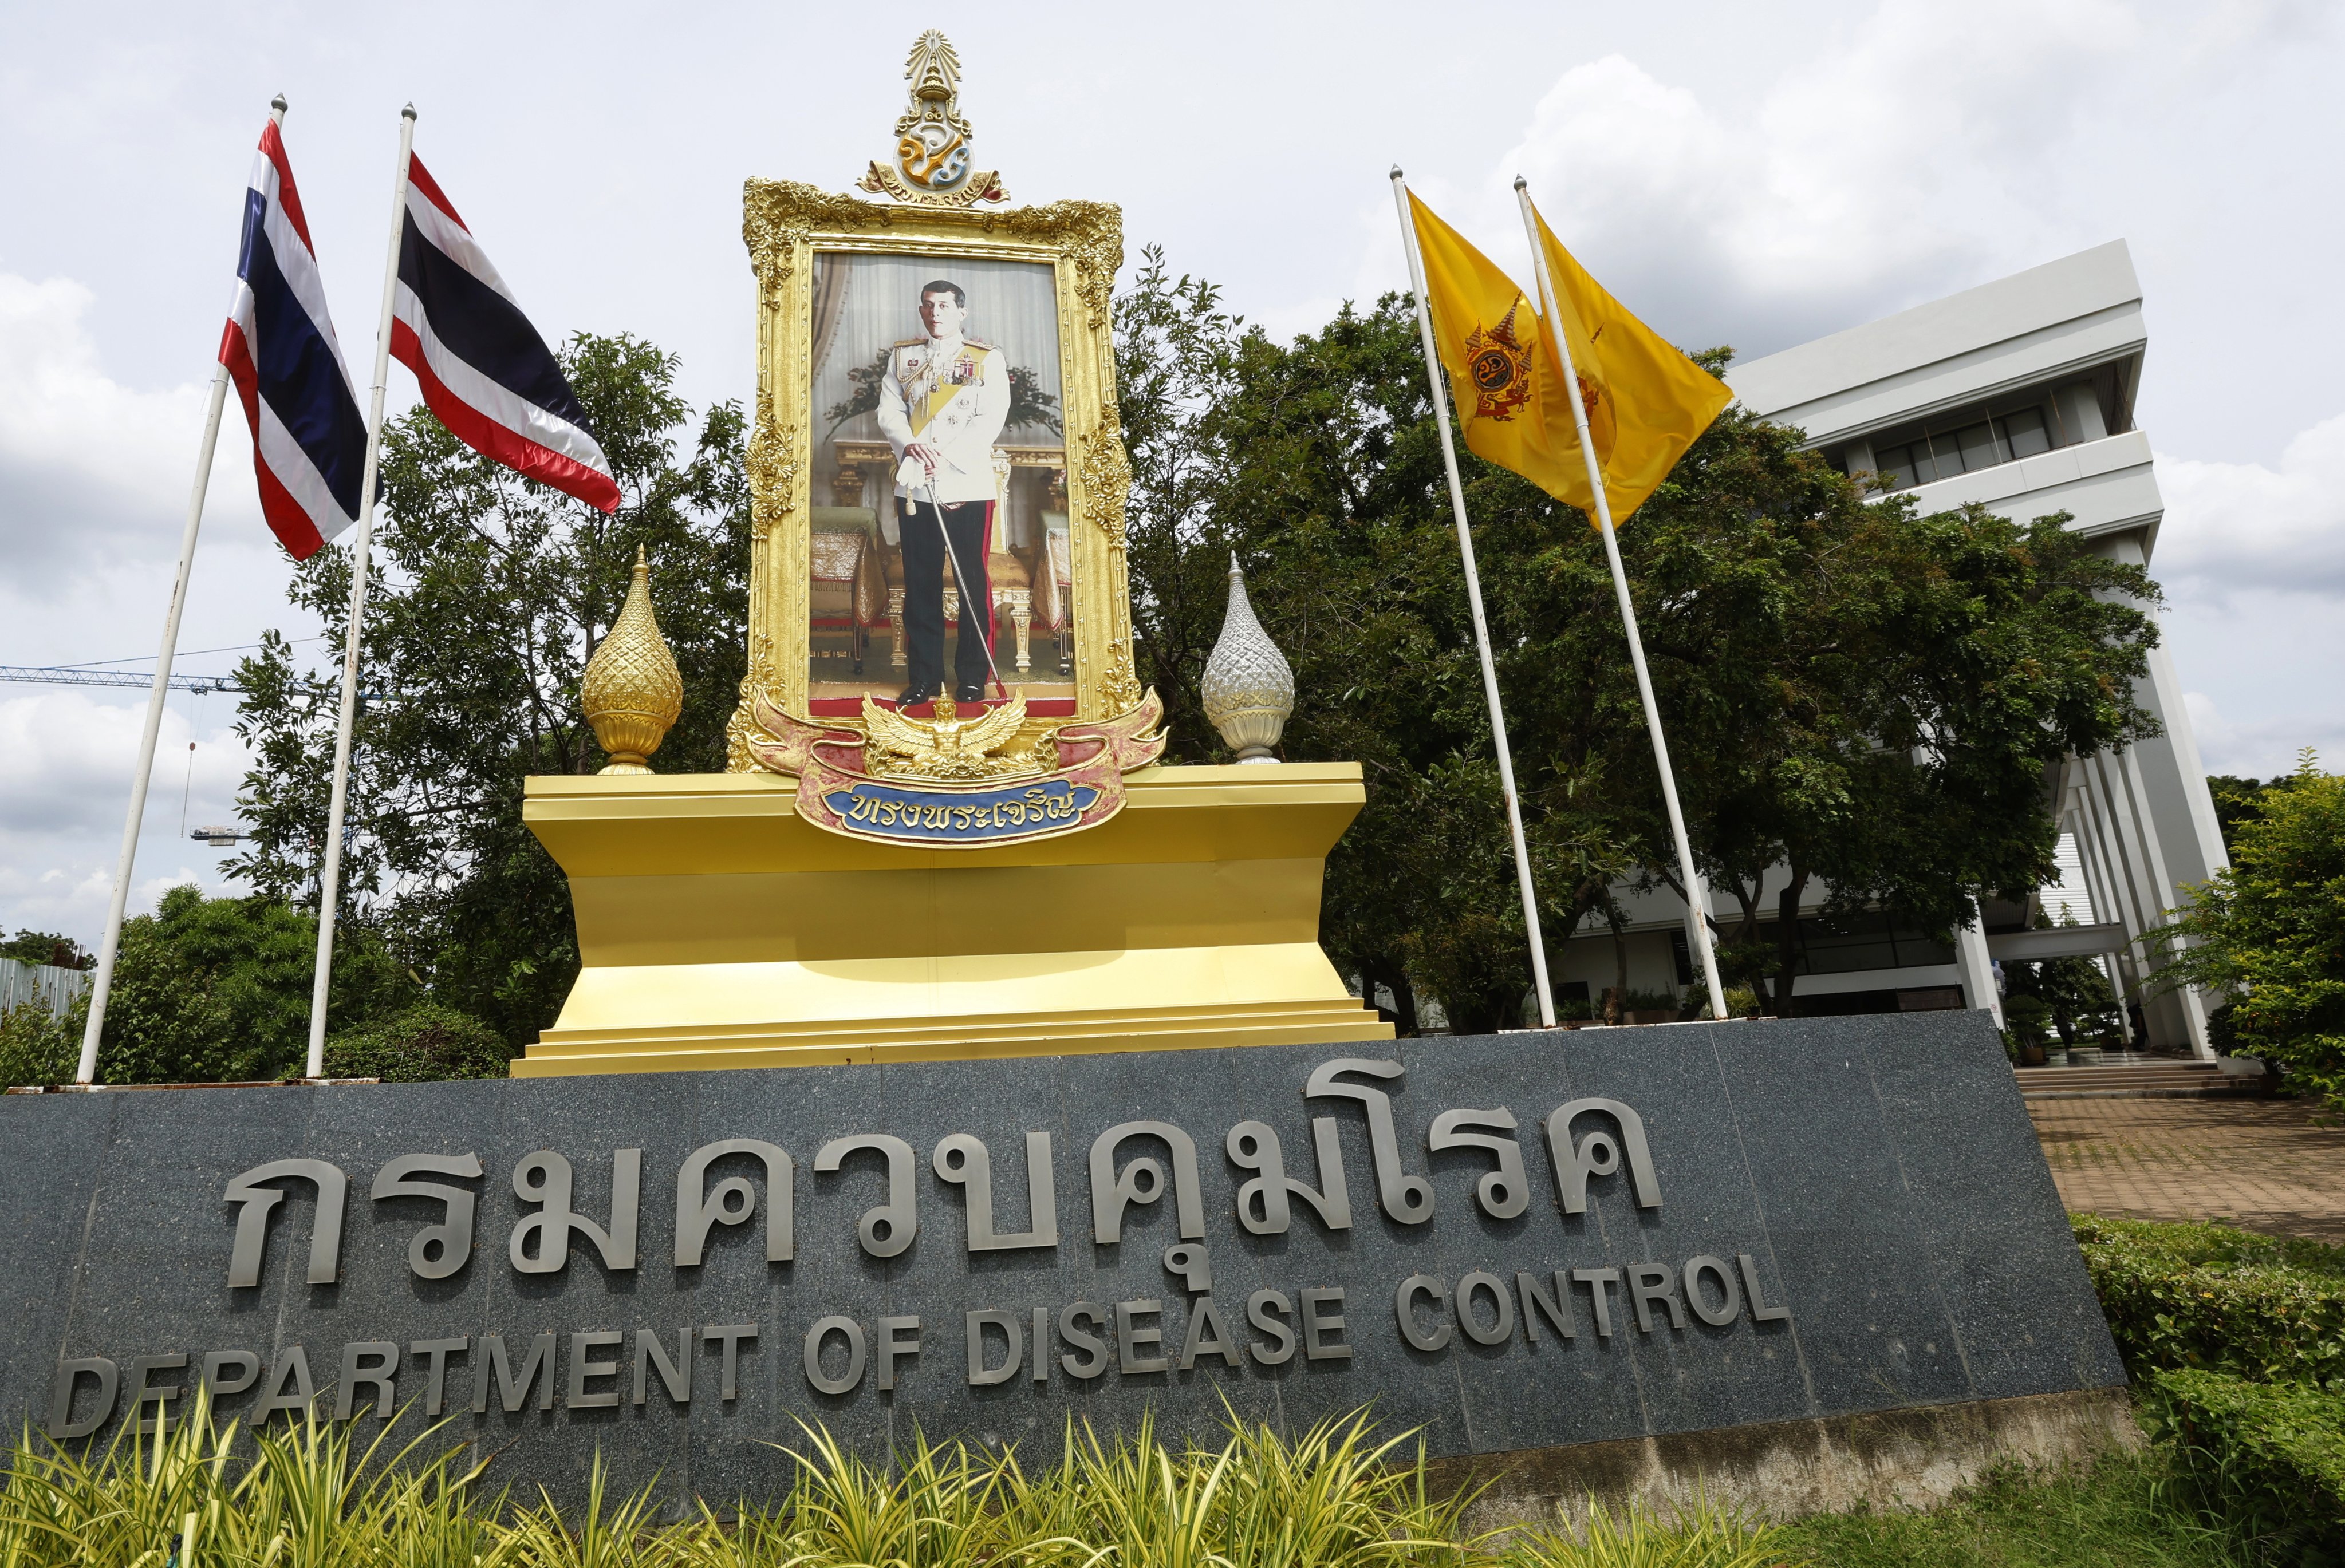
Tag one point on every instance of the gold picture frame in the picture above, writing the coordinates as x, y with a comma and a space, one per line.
784, 223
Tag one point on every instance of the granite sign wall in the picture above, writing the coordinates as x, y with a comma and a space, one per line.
1516, 1242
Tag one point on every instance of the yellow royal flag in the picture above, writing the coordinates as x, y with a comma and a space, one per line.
1510, 400
1645, 401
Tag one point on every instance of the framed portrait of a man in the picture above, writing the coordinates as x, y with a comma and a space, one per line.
937, 478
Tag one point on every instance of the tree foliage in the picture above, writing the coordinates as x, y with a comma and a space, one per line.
490, 592
2240, 801
2270, 930
1866, 695
210, 989
44, 947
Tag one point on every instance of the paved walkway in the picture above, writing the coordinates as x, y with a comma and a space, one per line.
2274, 1165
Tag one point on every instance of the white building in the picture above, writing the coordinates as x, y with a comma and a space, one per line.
2017, 394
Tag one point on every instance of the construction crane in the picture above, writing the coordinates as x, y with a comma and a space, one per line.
54, 675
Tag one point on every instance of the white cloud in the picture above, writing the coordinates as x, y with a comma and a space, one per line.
2262, 748
2234, 526
1910, 157
65, 764
2252, 559
89, 468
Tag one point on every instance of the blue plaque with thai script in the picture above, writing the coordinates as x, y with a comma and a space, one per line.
906, 813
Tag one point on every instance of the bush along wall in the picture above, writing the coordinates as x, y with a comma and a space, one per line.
422, 1043
2238, 1344
2212, 1298
2270, 1456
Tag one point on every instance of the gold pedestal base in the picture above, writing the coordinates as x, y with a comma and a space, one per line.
716, 929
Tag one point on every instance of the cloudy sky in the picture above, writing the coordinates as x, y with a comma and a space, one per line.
1745, 174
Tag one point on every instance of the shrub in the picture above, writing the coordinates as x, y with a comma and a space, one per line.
2270, 931
2212, 1298
38, 1047
2028, 1017
2270, 1458
426, 1043
212, 989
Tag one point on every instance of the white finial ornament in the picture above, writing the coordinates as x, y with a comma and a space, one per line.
1249, 689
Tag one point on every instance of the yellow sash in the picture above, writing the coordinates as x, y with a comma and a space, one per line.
928, 405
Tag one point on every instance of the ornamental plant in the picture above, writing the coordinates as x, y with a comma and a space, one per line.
2270, 930
2210, 1298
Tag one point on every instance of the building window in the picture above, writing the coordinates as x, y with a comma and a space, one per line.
1855, 942
1933, 453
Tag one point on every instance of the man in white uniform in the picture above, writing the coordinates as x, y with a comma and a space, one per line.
942, 404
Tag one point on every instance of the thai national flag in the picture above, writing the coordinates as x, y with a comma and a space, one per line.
309, 442
486, 371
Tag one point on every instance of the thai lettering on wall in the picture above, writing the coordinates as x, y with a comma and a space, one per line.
753, 1182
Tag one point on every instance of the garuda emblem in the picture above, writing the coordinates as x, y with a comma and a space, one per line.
955, 783
948, 746
1499, 366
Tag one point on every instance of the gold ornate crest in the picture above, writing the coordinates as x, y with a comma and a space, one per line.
931, 167
948, 747
1500, 365
935, 783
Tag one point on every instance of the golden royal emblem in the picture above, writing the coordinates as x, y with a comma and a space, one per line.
932, 137
955, 783
1499, 366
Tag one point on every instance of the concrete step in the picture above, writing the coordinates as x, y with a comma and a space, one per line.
2180, 1079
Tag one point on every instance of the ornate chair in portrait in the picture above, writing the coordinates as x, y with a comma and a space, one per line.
1050, 564
848, 590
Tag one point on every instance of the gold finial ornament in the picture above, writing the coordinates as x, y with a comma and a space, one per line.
931, 166
633, 693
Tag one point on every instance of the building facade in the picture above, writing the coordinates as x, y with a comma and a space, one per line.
2018, 395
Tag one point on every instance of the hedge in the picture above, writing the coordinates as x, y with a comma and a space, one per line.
423, 1044
2271, 1457
2208, 1296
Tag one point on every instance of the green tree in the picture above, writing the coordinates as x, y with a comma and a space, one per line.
44, 947
1864, 694
2074, 992
2240, 801
211, 989
2270, 930
491, 593
1315, 462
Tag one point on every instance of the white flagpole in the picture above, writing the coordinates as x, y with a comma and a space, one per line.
1474, 599
329, 878
1697, 889
110, 945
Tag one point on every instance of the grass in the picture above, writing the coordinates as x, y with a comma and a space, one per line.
2123, 1513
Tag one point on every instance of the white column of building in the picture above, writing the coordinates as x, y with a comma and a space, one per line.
1978, 969
2122, 825
2194, 1012
2120, 907
2106, 905
2165, 800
